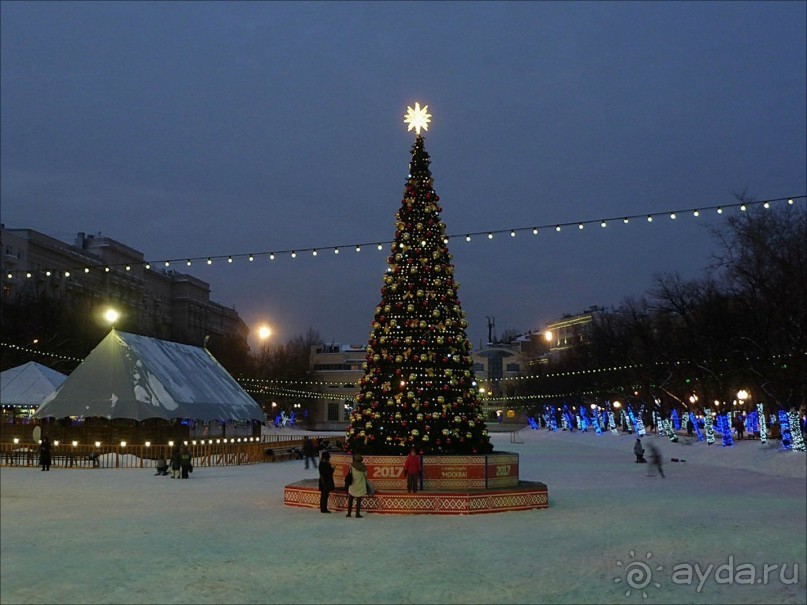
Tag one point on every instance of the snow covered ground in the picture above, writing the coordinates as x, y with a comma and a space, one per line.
703, 534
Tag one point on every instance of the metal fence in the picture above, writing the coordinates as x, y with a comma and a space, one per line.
204, 452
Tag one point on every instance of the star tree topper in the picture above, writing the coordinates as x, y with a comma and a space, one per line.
417, 118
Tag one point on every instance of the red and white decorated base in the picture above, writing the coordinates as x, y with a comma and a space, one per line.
449, 485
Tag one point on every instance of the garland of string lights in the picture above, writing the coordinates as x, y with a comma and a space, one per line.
262, 386
379, 245
268, 381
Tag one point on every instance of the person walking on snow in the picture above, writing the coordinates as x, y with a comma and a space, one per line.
655, 461
308, 452
639, 451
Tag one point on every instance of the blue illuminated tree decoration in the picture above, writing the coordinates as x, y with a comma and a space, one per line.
695, 425
676, 420
751, 424
784, 424
724, 426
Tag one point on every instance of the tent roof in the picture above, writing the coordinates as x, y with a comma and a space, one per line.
130, 376
28, 384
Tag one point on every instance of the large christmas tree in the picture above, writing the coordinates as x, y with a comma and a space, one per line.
418, 388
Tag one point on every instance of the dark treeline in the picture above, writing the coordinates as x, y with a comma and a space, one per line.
741, 326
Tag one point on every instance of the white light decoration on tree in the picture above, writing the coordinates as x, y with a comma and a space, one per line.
709, 425
763, 427
670, 430
417, 118
612, 422
796, 435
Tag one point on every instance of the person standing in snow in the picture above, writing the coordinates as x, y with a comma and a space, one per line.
44, 454
326, 483
185, 462
412, 471
639, 451
176, 463
308, 452
655, 461
358, 485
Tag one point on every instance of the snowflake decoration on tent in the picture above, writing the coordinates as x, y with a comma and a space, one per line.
417, 118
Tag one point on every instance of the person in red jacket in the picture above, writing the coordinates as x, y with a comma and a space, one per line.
412, 471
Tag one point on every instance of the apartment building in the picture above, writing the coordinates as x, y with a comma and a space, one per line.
97, 271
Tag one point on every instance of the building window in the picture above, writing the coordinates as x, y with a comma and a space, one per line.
333, 411
512, 367
479, 367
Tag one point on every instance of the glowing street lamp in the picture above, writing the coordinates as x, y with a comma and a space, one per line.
111, 316
264, 332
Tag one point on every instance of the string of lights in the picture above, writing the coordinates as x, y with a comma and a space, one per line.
379, 245
324, 383
39, 352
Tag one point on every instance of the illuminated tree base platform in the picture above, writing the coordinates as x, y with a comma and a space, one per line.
449, 485
527, 495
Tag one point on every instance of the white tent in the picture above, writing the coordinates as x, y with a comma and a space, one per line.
29, 384
130, 376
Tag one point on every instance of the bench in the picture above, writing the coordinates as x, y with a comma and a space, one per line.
290, 452
70, 460
22, 457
